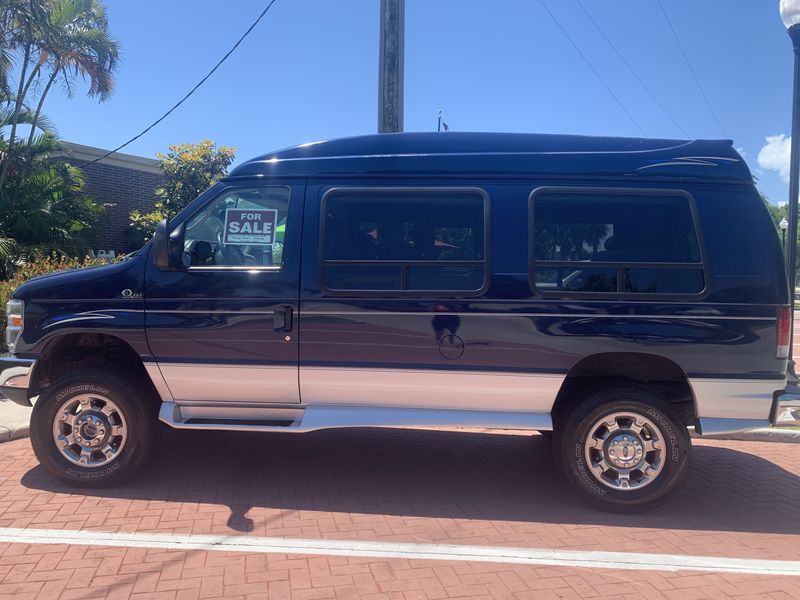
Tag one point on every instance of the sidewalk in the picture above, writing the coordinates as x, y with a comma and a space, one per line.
14, 420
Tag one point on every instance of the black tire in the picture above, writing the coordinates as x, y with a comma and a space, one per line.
602, 490
135, 404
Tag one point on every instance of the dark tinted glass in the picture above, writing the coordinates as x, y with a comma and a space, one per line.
445, 278
363, 277
604, 227
576, 280
664, 281
414, 228
406, 242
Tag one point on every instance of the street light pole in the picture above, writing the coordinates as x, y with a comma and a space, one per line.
790, 13
794, 165
784, 225
390, 66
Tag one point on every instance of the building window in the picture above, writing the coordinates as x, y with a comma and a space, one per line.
614, 242
406, 240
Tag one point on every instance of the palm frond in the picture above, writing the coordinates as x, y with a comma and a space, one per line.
26, 115
8, 247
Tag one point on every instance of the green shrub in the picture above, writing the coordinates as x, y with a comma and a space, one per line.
40, 265
189, 170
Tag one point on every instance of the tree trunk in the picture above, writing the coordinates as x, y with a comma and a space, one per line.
40, 104
27, 164
31, 77
15, 117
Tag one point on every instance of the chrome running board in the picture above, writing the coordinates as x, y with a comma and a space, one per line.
312, 418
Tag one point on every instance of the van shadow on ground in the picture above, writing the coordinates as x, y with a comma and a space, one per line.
443, 474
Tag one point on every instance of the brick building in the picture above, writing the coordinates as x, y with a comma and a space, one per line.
120, 182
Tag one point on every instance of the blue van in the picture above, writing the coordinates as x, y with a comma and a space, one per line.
612, 291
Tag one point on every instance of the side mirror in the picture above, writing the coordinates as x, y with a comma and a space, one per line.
168, 248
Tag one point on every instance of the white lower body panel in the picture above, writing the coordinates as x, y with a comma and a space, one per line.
430, 389
253, 398
367, 397
731, 405
231, 383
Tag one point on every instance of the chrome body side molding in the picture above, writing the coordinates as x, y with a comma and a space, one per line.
315, 417
711, 426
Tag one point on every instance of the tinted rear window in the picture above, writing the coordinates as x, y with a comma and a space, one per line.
592, 241
405, 240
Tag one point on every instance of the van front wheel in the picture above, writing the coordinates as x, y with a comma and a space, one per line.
624, 450
93, 428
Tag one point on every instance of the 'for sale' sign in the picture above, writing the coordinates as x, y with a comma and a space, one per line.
252, 227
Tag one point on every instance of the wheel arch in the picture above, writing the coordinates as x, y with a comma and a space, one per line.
70, 351
657, 373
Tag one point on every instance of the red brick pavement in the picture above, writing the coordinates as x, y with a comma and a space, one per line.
80, 572
742, 500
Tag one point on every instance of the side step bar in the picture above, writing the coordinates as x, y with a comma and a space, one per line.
313, 418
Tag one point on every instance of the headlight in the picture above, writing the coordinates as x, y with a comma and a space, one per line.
15, 318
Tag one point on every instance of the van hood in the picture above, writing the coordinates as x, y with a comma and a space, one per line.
124, 279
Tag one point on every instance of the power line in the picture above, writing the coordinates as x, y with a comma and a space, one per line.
589, 64
632, 70
691, 68
192, 91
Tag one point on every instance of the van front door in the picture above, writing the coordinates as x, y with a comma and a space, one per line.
223, 328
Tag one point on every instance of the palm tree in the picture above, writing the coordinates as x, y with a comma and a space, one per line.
39, 124
44, 42
54, 40
45, 210
77, 43
35, 160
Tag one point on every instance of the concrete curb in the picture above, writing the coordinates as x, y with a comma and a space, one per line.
14, 421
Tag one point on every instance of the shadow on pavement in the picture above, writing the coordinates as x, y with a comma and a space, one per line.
440, 474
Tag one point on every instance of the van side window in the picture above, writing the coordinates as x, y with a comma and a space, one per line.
404, 240
242, 227
614, 243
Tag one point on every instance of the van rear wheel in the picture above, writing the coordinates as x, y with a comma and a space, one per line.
624, 450
93, 428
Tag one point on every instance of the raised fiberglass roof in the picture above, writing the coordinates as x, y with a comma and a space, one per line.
506, 154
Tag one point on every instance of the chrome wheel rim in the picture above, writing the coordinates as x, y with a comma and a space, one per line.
89, 430
625, 451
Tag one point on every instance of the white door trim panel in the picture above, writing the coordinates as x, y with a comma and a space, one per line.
232, 383
438, 389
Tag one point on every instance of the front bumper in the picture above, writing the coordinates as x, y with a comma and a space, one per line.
786, 407
15, 378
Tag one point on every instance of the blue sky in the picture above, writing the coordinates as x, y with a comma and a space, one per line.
309, 72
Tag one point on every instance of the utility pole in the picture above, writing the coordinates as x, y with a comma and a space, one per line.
390, 77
